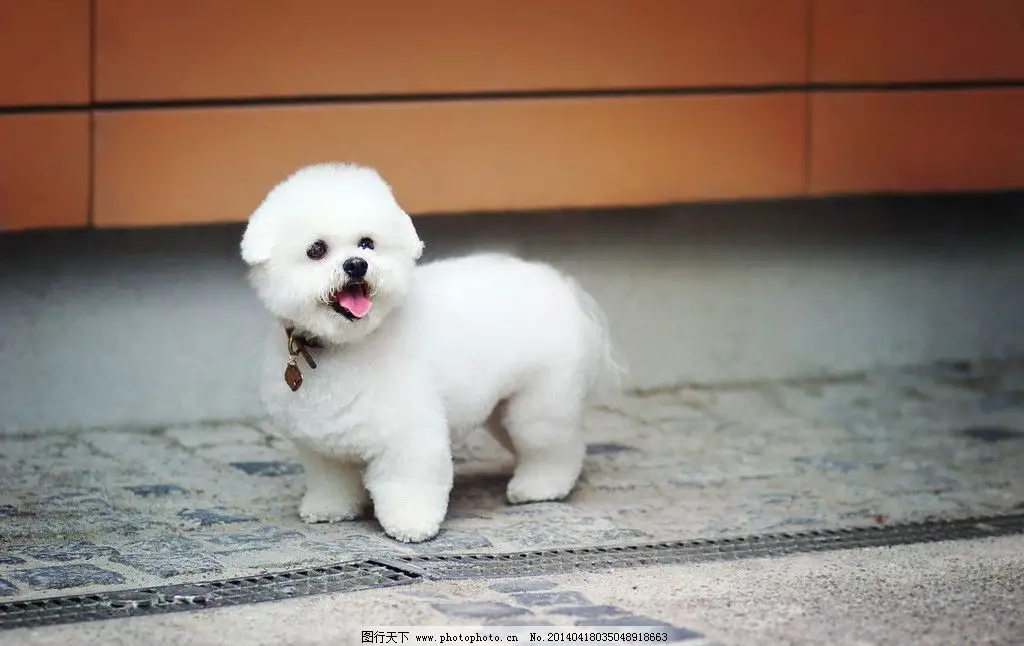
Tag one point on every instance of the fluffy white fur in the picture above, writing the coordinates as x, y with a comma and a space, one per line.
484, 340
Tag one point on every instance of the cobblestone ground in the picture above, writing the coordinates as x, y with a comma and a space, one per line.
120, 508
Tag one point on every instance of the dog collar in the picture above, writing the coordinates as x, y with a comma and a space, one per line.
298, 344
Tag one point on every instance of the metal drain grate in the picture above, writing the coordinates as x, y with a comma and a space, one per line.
345, 577
394, 570
458, 566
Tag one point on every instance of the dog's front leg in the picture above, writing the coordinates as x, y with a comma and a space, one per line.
334, 488
410, 485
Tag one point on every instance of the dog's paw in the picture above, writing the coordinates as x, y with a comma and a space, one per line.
412, 532
319, 508
523, 489
410, 514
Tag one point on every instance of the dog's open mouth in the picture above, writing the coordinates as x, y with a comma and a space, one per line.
353, 300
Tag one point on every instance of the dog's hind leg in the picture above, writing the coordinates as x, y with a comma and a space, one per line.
543, 426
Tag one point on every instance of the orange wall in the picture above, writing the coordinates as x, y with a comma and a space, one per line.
161, 112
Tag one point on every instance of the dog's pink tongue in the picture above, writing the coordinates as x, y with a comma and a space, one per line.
355, 302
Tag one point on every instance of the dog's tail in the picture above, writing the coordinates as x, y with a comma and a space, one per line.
606, 371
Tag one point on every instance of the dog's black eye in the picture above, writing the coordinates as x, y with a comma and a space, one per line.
366, 243
317, 250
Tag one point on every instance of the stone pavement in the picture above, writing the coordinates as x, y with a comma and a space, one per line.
104, 509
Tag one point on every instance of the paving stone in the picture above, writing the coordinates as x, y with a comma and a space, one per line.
1002, 401
261, 538
540, 509
479, 610
603, 448
748, 405
282, 446
228, 453
167, 556
1011, 381
349, 547
77, 550
417, 592
60, 577
662, 407
623, 535
156, 490
78, 502
206, 517
269, 468
289, 557
463, 514
993, 434
449, 540
591, 612
213, 435
553, 598
824, 464
529, 584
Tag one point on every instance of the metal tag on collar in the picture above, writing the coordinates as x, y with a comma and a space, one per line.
292, 373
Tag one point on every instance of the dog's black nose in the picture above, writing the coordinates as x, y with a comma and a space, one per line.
355, 267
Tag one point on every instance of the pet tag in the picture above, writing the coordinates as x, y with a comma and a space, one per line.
296, 346
292, 375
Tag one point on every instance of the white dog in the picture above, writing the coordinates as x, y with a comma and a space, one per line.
407, 355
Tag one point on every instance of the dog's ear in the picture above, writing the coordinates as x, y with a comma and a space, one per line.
258, 240
413, 242
411, 238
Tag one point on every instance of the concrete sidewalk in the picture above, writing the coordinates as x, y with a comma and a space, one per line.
938, 594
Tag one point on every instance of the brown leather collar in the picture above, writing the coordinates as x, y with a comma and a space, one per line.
303, 339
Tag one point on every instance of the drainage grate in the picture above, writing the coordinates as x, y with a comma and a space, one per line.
458, 566
397, 570
345, 577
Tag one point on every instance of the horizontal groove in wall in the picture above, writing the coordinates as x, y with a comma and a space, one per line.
115, 106
175, 49
458, 156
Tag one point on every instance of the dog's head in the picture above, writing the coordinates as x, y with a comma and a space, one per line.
331, 251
